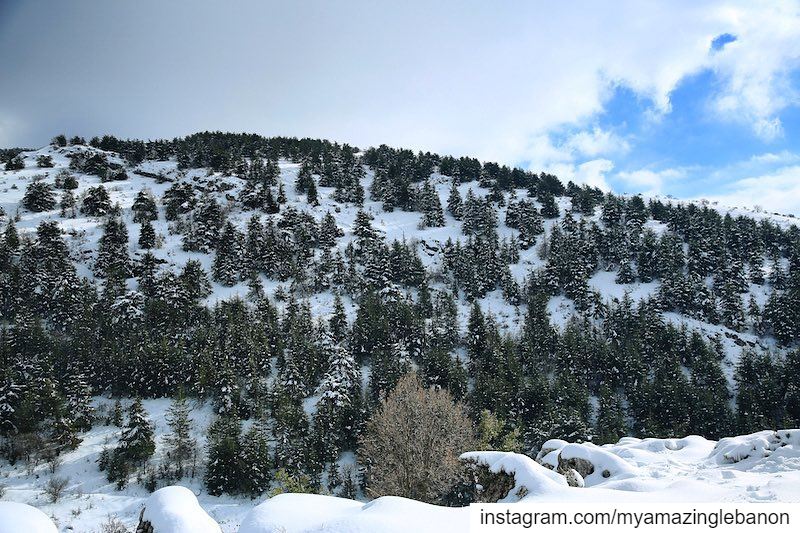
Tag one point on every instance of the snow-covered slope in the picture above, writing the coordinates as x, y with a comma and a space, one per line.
764, 466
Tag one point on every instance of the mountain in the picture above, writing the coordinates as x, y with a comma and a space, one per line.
284, 286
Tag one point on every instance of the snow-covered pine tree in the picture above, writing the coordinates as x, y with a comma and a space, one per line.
144, 207
136, 444
227, 261
147, 236
113, 260
224, 456
96, 202
39, 197
180, 442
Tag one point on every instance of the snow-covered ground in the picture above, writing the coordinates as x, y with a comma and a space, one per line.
764, 466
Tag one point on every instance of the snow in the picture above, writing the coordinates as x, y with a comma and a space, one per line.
19, 518
176, 510
535, 478
311, 513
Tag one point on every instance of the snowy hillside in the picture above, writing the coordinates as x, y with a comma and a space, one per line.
230, 313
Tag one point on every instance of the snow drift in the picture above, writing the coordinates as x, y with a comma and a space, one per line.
21, 518
176, 510
311, 513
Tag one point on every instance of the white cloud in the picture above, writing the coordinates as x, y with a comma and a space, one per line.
593, 173
489, 82
755, 70
649, 181
597, 142
777, 191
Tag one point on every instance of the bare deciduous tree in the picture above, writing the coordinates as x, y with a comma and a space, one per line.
55, 486
413, 441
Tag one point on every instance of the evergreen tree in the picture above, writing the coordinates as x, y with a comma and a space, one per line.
144, 207
454, 202
227, 261
610, 424
39, 197
181, 445
311, 193
136, 443
256, 459
113, 260
68, 205
224, 465
147, 236
96, 202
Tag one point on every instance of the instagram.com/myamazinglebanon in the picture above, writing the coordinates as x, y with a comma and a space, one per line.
612, 517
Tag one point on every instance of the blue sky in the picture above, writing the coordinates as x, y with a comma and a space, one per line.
693, 99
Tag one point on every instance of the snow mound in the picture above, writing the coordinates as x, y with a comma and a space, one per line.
605, 465
531, 478
312, 513
784, 443
21, 518
176, 510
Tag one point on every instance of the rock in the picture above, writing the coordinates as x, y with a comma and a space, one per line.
574, 479
581, 466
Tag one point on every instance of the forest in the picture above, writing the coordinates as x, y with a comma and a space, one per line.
291, 219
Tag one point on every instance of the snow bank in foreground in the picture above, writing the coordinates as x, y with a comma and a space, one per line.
312, 513
176, 510
21, 518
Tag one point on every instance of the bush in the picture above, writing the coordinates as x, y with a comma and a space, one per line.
15, 163
413, 442
113, 525
44, 161
55, 486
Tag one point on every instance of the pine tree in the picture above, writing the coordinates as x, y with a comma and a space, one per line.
256, 459
428, 202
227, 261
311, 193
328, 231
68, 204
78, 394
181, 445
147, 236
113, 260
207, 221
758, 403
454, 202
304, 179
144, 207
339, 403
610, 424
39, 197
96, 202
224, 465
136, 443
549, 206
711, 414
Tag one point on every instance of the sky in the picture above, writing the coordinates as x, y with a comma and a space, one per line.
684, 98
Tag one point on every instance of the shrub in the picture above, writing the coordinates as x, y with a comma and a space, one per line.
55, 486
44, 161
15, 163
413, 442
